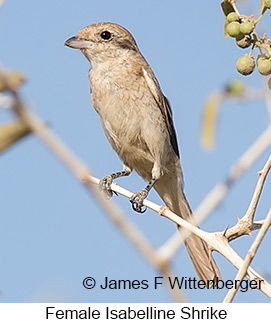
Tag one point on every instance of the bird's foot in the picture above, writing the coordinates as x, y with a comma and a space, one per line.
105, 185
137, 201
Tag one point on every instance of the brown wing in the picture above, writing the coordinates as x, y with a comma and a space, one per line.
163, 105
170, 126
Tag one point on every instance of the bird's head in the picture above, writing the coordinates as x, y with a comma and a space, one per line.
103, 41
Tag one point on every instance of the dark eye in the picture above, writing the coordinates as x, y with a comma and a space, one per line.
106, 35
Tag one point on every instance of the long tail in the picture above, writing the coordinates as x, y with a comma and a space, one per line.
169, 187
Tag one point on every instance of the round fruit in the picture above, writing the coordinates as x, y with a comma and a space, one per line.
246, 28
269, 83
243, 41
245, 65
262, 57
264, 65
267, 3
233, 29
232, 16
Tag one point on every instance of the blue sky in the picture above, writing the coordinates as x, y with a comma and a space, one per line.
52, 233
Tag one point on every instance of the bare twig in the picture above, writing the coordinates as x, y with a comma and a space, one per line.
215, 197
250, 255
244, 224
232, 2
217, 241
256, 196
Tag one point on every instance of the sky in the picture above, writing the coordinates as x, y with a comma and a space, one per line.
53, 233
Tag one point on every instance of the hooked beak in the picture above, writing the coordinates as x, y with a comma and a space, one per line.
77, 43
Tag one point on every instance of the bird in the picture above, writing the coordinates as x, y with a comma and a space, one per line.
137, 120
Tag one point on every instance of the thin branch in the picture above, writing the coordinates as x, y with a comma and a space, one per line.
244, 224
257, 193
215, 197
250, 255
232, 2
218, 242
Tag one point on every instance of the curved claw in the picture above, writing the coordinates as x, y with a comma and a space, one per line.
138, 208
137, 201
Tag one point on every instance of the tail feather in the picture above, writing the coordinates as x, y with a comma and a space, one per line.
170, 190
203, 262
